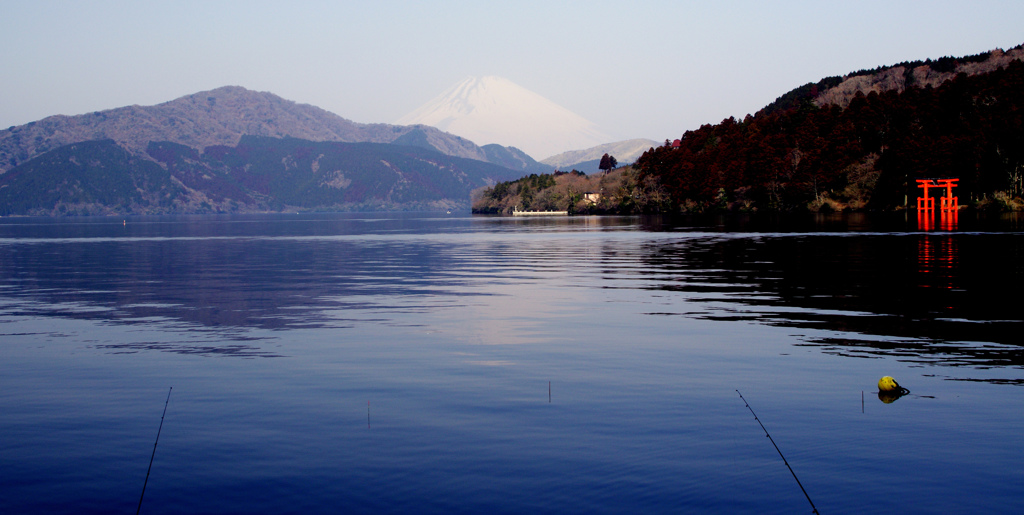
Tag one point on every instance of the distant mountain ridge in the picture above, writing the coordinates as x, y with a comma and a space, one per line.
216, 117
515, 159
495, 110
624, 151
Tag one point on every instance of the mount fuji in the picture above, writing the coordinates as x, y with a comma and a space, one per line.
496, 110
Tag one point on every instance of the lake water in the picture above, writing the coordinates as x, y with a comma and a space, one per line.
428, 363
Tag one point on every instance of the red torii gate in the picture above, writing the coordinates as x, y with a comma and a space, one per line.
924, 201
947, 202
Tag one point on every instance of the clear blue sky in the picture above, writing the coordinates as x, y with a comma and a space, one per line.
638, 69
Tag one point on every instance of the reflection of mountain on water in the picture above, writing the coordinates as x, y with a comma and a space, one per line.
210, 284
235, 282
939, 297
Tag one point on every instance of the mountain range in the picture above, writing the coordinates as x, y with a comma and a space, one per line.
495, 110
217, 117
35, 155
98, 154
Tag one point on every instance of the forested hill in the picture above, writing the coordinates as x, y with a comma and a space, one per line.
257, 174
865, 153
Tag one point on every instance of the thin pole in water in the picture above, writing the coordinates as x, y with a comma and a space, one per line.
144, 483
549, 392
815, 510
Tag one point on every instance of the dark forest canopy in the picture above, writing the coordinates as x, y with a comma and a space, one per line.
866, 155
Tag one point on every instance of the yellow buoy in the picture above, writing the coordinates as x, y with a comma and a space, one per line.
888, 384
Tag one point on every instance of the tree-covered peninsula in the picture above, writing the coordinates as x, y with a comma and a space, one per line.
575, 192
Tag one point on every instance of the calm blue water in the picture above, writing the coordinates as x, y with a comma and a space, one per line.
421, 363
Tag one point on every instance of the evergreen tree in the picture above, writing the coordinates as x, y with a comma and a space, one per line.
607, 162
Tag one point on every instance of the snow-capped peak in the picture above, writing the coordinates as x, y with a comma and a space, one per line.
496, 110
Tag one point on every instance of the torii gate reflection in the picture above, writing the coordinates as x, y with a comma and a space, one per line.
949, 205
936, 264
